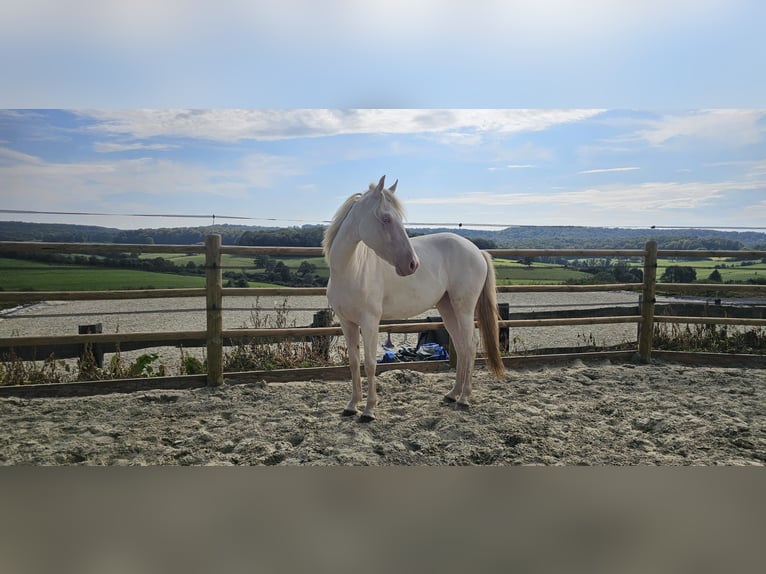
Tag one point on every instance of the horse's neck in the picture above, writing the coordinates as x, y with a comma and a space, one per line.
348, 253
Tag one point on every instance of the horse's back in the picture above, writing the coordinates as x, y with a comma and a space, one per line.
461, 264
456, 254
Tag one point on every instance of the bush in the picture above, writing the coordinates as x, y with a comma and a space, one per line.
679, 274
268, 354
709, 338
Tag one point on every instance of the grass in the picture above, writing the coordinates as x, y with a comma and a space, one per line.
15, 371
231, 260
20, 275
709, 338
508, 272
733, 271
255, 355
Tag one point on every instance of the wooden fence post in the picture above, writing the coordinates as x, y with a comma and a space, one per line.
214, 296
89, 349
321, 345
504, 310
647, 302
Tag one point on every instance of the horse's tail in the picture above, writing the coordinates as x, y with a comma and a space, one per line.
488, 316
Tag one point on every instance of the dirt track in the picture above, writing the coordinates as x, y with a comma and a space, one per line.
621, 414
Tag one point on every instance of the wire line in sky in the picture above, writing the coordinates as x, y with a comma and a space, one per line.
213, 217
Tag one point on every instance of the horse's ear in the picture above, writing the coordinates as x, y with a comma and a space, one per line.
382, 181
392, 189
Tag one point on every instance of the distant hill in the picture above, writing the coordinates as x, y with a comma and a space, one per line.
532, 237
56, 232
570, 237
66, 233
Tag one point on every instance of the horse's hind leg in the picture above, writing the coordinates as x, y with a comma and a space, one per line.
460, 328
351, 333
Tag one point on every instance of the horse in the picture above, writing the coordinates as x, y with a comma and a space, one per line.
378, 272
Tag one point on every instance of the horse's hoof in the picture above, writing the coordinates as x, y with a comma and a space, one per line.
366, 419
462, 406
349, 413
448, 399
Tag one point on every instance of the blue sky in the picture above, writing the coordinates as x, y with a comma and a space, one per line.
509, 167
545, 112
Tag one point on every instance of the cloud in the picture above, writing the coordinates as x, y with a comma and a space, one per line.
644, 197
12, 157
237, 125
511, 166
108, 147
608, 170
733, 127
107, 183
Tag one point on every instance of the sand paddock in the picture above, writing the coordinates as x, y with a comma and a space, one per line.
577, 414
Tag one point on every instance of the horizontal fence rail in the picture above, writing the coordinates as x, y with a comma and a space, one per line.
214, 337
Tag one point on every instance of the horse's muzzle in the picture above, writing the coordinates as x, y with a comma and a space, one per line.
409, 268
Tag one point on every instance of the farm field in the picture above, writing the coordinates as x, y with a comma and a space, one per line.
737, 270
730, 270
20, 275
509, 272
239, 262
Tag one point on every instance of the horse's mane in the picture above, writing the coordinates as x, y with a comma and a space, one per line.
337, 221
332, 230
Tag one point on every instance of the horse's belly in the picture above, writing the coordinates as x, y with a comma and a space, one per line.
407, 302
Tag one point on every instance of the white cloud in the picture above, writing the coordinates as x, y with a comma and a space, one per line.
737, 127
644, 197
11, 156
237, 125
109, 183
609, 170
511, 166
108, 147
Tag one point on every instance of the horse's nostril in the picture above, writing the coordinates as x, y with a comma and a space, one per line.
413, 265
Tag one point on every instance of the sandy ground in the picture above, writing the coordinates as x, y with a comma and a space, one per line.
578, 414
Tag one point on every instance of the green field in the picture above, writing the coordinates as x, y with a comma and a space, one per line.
19, 275
732, 271
235, 262
510, 272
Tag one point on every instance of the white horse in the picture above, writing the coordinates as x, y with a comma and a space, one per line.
377, 272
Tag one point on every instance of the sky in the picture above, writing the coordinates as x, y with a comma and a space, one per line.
544, 112
463, 166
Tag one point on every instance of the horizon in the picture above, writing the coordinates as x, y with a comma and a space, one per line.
748, 230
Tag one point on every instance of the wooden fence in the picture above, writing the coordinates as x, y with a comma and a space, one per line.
214, 293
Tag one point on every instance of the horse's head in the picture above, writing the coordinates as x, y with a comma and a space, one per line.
382, 229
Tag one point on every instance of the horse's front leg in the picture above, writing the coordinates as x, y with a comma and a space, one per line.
370, 339
351, 333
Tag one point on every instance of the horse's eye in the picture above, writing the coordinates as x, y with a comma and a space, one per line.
386, 218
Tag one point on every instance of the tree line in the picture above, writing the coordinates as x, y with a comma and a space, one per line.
526, 237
